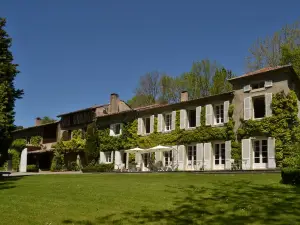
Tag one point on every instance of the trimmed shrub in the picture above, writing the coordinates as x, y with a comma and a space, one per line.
72, 166
290, 176
32, 168
99, 168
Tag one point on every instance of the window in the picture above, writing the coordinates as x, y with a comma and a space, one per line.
168, 158
117, 129
258, 85
168, 122
192, 118
192, 151
259, 107
260, 148
146, 158
108, 157
220, 154
147, 125
219, 114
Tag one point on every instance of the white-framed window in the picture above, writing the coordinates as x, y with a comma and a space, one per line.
219, 154
168, 158
191, 113
147, 124
191, 156
260, 150
219, 113
259, 107
108, 157
168, 121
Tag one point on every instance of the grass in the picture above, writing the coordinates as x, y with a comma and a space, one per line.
149, 199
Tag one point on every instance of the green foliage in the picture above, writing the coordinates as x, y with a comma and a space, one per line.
91, 147
57, 163
283, 125
291, 55
73, 166
18, 144
47, 119
36, 141
76, 144
8, 92
290, 176
220, 82
15, 157
99, 168
32, 168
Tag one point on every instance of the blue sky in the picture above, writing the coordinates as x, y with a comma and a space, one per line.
74, 53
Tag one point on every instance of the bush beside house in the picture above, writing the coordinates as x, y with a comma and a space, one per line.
99, 168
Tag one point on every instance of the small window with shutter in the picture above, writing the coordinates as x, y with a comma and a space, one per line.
258, 85
219, 113
192, 118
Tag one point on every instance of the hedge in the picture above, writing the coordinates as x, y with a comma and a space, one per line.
32, 168
99, 168
290, 176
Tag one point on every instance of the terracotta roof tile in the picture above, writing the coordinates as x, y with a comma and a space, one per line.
263, 70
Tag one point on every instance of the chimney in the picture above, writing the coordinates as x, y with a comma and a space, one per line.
114, 103
38, 121
184, 96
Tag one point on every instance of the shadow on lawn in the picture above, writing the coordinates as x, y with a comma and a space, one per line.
8, 182
239, 202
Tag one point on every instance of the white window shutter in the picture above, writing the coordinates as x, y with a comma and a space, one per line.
175, 156
198, 116
140, 126
271, 153
158, 156
181, 151
121, 128
246, 154
227, 155
199, 155
247, 88
207, 156
112, 130
118, 160
151, 124
102, 158
138, 159
208, 115
112, 156
268, 101
183, 118
226, 108
268, 83
173, 126
247, 108
159, 122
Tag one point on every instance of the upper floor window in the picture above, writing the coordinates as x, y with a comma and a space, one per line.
192, 118
258, 85
115, 129
147, 125
168, 122
259, 107
219, 114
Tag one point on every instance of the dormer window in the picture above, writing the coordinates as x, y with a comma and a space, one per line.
258, 85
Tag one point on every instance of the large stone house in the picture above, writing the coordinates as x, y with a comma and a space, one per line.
251, 97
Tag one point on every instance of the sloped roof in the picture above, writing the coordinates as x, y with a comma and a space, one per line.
81, 110
260, 71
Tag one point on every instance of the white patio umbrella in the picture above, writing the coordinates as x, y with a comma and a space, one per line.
160, 148
132, 150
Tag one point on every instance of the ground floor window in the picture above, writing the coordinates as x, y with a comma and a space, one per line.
146, 158
220, 154
191, 153
168, 158
260, 149
108, 157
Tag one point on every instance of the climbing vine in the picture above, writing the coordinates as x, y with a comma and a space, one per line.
36, 141
283, 125
15, 151
76, 144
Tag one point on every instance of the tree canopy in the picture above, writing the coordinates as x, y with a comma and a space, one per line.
47, 119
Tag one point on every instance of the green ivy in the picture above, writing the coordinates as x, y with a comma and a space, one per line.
15, 152
36, 141
283, 125
76, 144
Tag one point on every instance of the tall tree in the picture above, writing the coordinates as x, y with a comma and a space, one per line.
149, 85
220, 83
47, 119
8, 92
268, 51
291, 56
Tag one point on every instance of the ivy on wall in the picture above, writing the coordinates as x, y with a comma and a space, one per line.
283, 125
36, 141
76, 144
15, 152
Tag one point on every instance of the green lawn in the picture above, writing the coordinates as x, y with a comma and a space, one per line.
149, 199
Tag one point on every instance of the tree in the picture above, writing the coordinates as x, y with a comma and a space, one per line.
92, 143
8, 92
291, 56
47, 119
268, 52
220, 83
140, 100
149, 85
